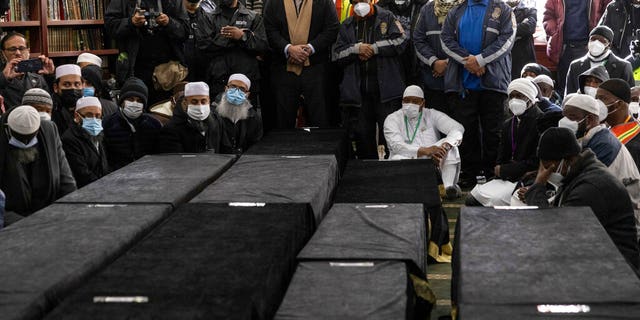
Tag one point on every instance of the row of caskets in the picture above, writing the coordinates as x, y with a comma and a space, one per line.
209, 236
215, 237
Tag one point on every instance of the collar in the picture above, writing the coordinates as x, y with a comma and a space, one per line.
472, 3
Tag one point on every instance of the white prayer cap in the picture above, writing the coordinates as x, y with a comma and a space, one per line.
196, 89
543, 78
67, 69
413, 91
582, 101
240, 77
524, 86
24, 120
90, 58
88, 102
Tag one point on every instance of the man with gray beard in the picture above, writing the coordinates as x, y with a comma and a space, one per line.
34, 171
239, 125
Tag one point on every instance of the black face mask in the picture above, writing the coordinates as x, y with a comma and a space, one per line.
69, 97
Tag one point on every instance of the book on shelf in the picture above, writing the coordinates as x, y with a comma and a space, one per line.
18, 11
75, 39
75, 9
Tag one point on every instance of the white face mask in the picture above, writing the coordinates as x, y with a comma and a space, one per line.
411, 110
566, 123
362, 9
44, 116
590, 91
596, 48
634, 107
555, 179
517, 106
132, 109
198, 111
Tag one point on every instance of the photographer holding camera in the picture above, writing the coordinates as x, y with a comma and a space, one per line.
20, 74
147, 33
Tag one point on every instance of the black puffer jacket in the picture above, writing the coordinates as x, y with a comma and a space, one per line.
87, 162
125, 146
181, 134
590, 184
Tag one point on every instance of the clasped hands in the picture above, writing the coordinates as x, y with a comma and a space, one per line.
472, 65
298, 53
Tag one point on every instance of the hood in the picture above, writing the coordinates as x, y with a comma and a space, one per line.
599, 72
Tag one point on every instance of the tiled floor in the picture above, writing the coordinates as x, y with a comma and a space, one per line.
439, 275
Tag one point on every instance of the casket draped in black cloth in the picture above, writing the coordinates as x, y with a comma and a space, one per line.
50, 253
349, 290
166, 178
371, 232
207, 261
519, 259
308, 141
277, 179
398, 181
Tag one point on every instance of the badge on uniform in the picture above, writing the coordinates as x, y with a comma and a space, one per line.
496, 13
383, 28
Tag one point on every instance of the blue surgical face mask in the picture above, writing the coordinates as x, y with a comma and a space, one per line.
92, 125
236, 96
88, 92
20, 145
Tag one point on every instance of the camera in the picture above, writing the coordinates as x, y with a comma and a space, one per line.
150, 17
30, 65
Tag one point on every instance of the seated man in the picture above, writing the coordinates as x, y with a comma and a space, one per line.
92, 86
616, 94
585, 182
88, 59
239, 125
130, 133
547, 90
191, 129
82, 142
41, 101
415, 132
33, 167
13, 84
517, 151
590, 80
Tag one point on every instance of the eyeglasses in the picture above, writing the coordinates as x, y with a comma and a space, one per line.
232, 86
14, 49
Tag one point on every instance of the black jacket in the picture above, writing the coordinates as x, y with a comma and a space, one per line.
426, 40
50, 177
124, 146
181, 134
523, 51
226, 57
616, 67
61, 116
87, 162
117, 22
514, 163
617, 17
389, 41
13, 90
236, 138
590, 184
322, 32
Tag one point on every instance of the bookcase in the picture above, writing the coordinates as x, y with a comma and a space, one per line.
61, 29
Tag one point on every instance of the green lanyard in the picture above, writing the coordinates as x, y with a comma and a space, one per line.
406, 126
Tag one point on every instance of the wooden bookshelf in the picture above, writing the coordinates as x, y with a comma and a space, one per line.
43, 32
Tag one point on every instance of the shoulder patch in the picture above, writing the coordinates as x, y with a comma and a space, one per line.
383, 28
496, 12
399, 26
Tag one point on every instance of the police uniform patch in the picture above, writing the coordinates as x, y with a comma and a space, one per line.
400, 26
496, 13
383, 28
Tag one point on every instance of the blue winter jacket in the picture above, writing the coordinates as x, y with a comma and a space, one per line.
390, 41
499, 25
426, 39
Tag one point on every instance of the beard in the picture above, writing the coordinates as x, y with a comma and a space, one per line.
233, 112
24, 156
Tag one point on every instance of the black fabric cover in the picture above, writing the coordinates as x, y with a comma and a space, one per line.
277, 179
321, 291
207, 261
398, 181
370, 232
530, 311
167, 178
48, 254
308, 141
551, 256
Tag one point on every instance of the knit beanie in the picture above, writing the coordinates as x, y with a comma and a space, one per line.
618, 88
37, 96
603, 31
557, 143
134, 87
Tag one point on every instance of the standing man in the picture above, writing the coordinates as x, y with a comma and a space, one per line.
478, 36
301, 33
369, 46
523, 51
433, 61
622, 16
231, 39
567, 24
14, 84
145, 43
83, 145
